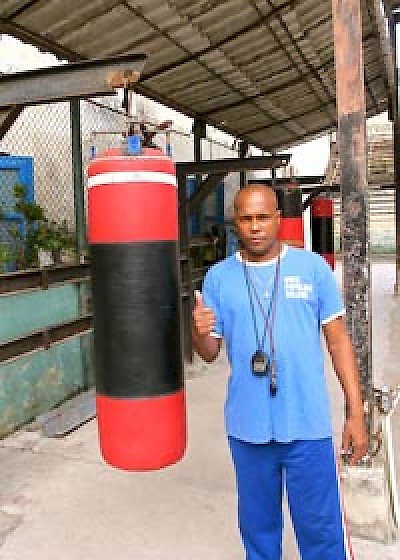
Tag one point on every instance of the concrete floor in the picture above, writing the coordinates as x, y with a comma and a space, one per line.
58, 500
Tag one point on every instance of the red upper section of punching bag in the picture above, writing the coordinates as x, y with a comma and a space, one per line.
132, 198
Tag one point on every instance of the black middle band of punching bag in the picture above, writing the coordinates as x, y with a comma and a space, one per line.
322, 234
136, 319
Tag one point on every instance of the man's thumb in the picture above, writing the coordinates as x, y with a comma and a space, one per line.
198, 298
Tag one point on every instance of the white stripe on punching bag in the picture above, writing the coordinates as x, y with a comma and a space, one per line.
131, 177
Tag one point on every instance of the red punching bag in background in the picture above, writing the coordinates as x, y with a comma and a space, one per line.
322, 231
133, 236
291, 229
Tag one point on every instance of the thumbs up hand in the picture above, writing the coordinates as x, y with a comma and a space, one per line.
203, 317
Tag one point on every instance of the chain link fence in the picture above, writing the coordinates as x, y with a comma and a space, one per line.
42, 135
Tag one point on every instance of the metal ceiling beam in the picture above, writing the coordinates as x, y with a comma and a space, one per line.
293, 118
18, 31
58, 50
21, 9
218, 44
6, 26
230, 86
303, 114
311, 134
13, 114
270, 91
81, 79
300, 53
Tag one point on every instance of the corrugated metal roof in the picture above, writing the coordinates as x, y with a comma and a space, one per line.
262, 70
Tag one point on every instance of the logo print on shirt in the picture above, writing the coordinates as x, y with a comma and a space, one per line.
296, 289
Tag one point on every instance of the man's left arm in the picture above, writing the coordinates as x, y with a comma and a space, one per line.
345, 365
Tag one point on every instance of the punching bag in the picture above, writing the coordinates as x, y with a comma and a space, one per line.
322, 234
291, 229
133, 236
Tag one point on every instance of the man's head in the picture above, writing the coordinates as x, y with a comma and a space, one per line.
257, 220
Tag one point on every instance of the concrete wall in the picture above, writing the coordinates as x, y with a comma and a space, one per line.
36, 382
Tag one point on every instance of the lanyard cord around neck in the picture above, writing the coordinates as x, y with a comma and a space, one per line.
269, 317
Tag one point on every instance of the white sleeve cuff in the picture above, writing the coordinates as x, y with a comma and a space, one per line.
333, 317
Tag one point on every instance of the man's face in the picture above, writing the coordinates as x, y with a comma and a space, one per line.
257, 221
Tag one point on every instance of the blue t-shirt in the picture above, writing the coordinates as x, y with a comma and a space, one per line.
307, 297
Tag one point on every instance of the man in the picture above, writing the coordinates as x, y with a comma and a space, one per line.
269, 302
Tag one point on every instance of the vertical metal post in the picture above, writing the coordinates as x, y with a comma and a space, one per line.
183, 212
243, 148
185, 267
79, 195
350, 93
199, 132
80, 227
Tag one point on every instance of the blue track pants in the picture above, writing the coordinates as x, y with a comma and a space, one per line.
308, 469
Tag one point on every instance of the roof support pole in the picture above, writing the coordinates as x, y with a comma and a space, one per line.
185, 266
350, 95
199, 132
79, 195
243, 149
80, 226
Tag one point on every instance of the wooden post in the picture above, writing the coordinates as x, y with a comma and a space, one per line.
350, 94
396, 148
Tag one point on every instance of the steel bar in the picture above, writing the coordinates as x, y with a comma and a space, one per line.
283, 181
11, 115
42, 278
351, 140
43, 339
27, 280
205, 188
230, 165
79, 79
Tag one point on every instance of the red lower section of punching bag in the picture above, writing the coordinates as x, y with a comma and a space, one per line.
150, 432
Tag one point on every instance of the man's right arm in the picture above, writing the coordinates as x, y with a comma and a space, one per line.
206, 345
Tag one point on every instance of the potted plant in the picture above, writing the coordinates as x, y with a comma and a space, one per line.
39, 242
6, 257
